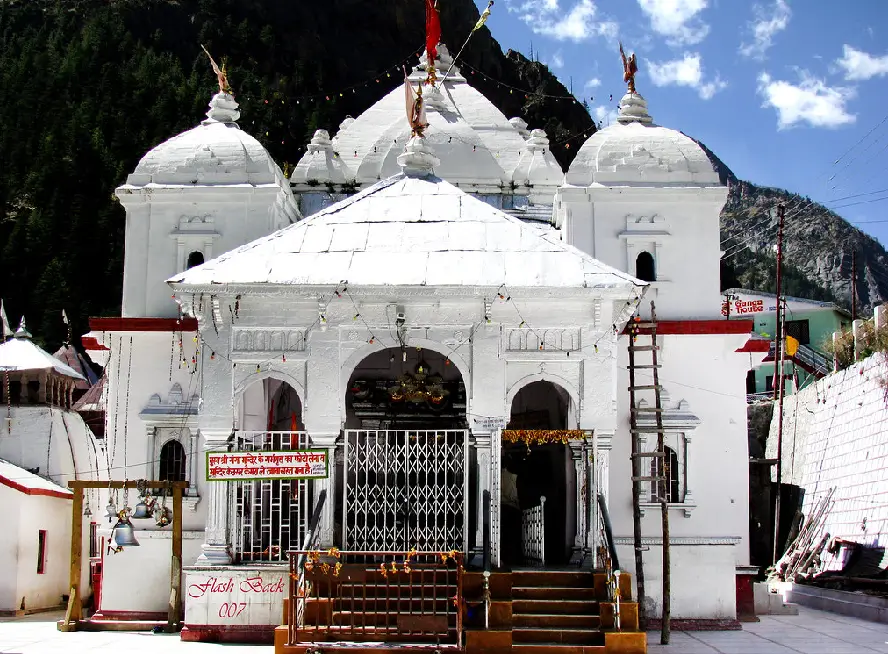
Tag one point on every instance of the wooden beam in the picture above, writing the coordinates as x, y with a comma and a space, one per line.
75, 604
132, 483
174, 612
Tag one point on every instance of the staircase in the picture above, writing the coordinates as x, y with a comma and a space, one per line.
555, 612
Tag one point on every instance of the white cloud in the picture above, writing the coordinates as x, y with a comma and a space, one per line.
858, 65
687, 71
557, 60
604, 115
810, 101
677, 20
576, 24
764, 28
593, 83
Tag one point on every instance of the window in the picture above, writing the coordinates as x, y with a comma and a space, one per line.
644, 267
673, 475
196, 258
798, 329
769, 383
750, 382
41, 551
172, 462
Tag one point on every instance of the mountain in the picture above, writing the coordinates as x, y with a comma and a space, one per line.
88, 86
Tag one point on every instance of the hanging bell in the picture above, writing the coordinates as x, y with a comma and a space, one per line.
163, 516
87, 513
111, 510
123, 534
141, 512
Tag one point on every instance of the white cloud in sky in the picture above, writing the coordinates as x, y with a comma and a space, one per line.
677, 20
604, 115
810, 101
557, 60
858, 65
593, 83
687, 71
578, 23
764, 27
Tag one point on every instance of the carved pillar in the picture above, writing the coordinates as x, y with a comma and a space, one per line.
45, 379
192, 458
23, 385
150, 444
603, 446
216, 550
688, 499
484, 479
577, 455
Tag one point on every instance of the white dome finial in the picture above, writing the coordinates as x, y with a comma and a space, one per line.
223, 109
22, 331
634, 109
417, 159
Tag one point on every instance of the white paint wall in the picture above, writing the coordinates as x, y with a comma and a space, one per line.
834, 437
23, 516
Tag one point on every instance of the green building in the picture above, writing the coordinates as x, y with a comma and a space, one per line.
810, 322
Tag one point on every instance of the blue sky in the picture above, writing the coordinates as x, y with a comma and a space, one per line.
780, 90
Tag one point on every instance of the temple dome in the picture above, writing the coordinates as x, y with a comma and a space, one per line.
636, 152
216, 152
478, 147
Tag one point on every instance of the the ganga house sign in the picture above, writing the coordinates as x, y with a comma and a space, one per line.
290, 464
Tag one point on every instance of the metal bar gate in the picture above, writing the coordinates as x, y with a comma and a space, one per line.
405, 489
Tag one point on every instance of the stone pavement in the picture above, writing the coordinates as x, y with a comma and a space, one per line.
809, 632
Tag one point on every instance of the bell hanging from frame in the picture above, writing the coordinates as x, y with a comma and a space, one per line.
87, 512
141, 511
111, 510
123, 534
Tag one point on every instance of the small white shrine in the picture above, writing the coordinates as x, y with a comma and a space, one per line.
442, 286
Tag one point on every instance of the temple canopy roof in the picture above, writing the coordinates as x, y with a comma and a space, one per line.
635, 151
413, 228
479, 148
21, 354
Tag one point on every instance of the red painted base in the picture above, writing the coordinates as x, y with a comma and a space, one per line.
254, 634
693, 624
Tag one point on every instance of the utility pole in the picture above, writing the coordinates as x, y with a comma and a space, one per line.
853, 285
778, 376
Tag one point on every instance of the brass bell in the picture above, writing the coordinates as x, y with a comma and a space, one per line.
141, 512
123, 534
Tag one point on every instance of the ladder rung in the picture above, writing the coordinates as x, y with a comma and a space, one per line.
648, 479
648, 430
643, 325
646, 409
644, 366
643, 348
648, 387
640, 455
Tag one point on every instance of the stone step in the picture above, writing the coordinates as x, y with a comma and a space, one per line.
553, 620
552, 593
560, 605
558, 635
560, 578
556, 648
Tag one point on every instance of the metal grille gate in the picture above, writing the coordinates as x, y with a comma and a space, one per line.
269, 516
405, 489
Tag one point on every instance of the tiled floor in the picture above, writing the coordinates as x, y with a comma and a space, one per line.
809, 632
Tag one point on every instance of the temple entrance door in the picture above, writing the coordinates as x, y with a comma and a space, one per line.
537, 483
404, 466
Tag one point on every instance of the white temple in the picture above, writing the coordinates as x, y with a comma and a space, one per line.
437, 290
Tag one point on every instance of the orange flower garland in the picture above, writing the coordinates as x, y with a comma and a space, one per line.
543, 436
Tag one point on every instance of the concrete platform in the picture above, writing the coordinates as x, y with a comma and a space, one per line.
855, 605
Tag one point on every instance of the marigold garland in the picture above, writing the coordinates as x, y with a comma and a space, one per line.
543, 436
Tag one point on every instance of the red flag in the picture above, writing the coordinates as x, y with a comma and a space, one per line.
433, 30
294, 426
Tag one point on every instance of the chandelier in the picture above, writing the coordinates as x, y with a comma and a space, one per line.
419, 386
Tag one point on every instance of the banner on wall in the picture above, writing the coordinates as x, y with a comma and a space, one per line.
289, 464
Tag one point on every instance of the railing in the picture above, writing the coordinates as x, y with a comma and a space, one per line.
813, 361
608, 561
311, 542
533, 533
367, 596
607, 534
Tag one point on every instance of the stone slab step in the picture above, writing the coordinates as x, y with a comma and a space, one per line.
552, 593
557, 648
575, 607
556, 620
558, 635
561, 578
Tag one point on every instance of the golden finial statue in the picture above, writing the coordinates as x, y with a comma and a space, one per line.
221, 73
630, 67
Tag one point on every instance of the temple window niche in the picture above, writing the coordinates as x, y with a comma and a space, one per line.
196, 258
645, 268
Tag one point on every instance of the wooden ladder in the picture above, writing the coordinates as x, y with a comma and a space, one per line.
655, 474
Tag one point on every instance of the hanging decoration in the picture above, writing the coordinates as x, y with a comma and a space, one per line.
543, 436
433, 36
419, 386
